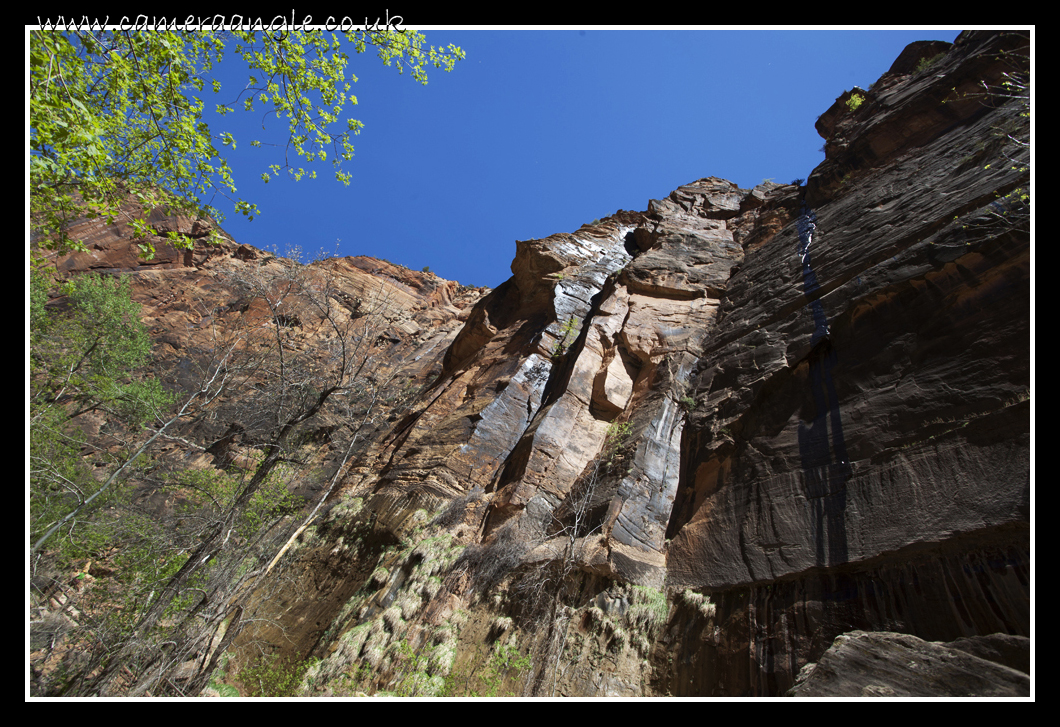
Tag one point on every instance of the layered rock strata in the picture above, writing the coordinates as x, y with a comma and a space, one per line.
680, 451
192, 299
818, 397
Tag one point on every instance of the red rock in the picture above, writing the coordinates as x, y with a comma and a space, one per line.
810, 436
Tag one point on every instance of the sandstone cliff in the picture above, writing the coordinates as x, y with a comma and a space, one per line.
680, 451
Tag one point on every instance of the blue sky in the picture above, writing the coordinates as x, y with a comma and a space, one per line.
539, 131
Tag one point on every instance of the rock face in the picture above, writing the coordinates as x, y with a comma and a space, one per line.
884, 664
806, 409
188, 296
680, 451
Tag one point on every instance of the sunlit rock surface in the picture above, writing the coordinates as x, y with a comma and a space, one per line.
810, 426
682, 450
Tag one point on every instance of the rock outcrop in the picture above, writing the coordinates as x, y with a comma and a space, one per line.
680, 451
191, 299
884, 664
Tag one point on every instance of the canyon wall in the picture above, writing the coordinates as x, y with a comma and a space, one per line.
794, 411
681, 450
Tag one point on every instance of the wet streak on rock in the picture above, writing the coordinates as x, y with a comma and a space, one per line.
824, 464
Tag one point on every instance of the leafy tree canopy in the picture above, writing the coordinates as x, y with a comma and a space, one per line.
119, 113
85, 355
83, 358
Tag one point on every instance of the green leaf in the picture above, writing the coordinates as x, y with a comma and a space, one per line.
112, 113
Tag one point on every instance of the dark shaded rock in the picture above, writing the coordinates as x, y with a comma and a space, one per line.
915, 52
883, 664
803, 412
904, 111
809, 405
858, 395
1005, 649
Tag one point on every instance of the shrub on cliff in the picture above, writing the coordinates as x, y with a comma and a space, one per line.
86, 354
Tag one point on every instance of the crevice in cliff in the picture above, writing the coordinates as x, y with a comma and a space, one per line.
816, 454
567, 466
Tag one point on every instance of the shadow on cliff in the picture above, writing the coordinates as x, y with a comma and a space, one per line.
825, 465
824, 461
